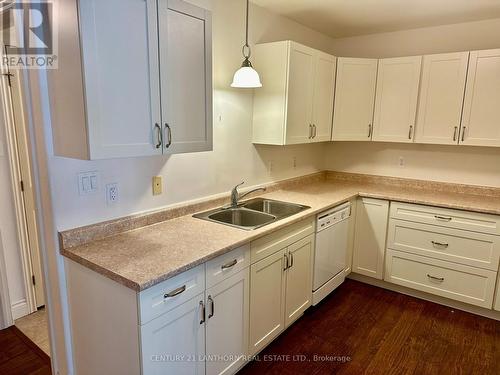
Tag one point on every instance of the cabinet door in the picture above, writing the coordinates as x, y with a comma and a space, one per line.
298, 294
396, 99
354, 99
299, 95
441, 98
174, 343
267, 307
369, 237
227, 324
496, 306
481, 114
185, 76
120, 63
324, 88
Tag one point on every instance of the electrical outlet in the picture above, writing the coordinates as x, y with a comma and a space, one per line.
294, 162
157, 185
401, 161
270, 166
112, 193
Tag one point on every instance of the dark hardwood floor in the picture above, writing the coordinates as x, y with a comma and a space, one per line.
20, 356
361, 329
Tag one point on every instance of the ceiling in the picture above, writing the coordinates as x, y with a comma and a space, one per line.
343, 18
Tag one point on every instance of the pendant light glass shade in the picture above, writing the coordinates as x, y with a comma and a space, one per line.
246, 76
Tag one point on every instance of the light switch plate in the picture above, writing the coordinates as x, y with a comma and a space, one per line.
88, 182
157, 185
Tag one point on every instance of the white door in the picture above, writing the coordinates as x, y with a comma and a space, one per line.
185, 76
441, 98
370, 236
324, 89
354, 99
298, 296
300, 92
396, 99
481, 114
267, 307
227, 324
120, 61
174, 343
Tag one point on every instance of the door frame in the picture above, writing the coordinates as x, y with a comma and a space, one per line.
15, 172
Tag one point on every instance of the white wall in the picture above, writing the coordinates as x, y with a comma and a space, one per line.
8, 231
190, 176
460, 164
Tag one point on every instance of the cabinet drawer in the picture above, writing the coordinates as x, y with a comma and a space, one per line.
455, 245
445, 217
455, 281
156, 300
227, 265
262, 247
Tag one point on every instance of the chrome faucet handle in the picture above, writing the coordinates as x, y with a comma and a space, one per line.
235, 194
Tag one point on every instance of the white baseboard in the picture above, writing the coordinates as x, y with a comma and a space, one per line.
492, 314
20, 309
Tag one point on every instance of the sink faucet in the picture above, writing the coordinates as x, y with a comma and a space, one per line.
235, 195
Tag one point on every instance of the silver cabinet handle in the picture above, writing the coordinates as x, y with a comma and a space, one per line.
314, 129
455, 134
410, 132
202, 310
169, 135
440, 279
229, 264
370, 130
464, 128
310, 131
442, 218
440, 244
212, 307
175, 292
158, 136
286, 262
291, 260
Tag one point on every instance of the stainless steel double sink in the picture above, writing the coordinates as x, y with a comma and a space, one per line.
252, 214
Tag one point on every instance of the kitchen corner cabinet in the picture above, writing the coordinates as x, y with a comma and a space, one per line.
441, 98
370, 237
131, 95
295, 104
354, 99
481, 111
396, 99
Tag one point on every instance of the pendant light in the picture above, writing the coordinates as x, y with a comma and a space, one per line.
246, 76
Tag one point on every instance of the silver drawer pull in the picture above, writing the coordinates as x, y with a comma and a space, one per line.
229, 264
212, 307
202, 311
175, 292
440, 279
440, 244
443, 218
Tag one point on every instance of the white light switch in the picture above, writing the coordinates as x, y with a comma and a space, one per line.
88, 182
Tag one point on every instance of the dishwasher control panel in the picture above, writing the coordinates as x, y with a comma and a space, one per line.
333, 216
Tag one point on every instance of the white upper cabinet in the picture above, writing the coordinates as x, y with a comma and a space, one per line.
120, 71
481, 112
396, 99
185, 76
134, 79
354, 99
295, 104
441, 98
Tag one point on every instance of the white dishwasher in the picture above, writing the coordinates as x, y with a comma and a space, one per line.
332, 236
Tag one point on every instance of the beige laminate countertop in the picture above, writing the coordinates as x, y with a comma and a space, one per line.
144, 257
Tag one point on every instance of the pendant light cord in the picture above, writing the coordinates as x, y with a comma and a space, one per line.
247, 46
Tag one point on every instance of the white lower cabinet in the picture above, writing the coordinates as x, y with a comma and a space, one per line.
280, 290
174, 343
267, 300
298, 295
227, 324
369, 237
496, 306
